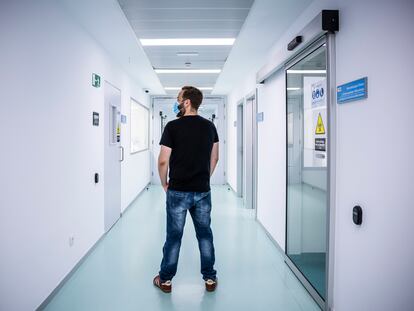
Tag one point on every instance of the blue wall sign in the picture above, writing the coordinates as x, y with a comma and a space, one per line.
260, 117
123, 119
351, 91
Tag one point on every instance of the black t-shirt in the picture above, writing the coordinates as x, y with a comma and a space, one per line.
191, 139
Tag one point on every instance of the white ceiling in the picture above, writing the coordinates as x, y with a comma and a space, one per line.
266, 23
156, 19
116, 37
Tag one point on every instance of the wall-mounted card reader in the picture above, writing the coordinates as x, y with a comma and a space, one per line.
96, 178
95, 119
357, 215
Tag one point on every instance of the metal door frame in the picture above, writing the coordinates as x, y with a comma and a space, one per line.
240, 144
253, 97
327, 39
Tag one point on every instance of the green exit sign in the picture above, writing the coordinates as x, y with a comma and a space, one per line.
96, 80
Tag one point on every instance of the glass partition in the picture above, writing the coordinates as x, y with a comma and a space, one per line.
307, 134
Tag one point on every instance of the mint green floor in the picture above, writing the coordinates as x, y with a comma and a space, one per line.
118, 273
312, 266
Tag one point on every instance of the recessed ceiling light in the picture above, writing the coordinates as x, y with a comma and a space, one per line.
187, 54
176, 88
306, 71
201, 41
187, 70
172, 88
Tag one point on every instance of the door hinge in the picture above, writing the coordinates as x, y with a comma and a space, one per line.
224, 173
152, 173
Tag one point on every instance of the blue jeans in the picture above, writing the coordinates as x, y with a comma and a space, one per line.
199, 205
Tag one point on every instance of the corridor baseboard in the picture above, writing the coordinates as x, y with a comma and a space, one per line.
75, 268
49, 298
137, 196
279, 248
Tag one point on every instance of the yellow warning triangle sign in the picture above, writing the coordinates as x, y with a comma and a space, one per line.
320, 128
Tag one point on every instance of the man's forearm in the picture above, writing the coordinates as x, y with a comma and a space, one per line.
163, 170
213, 165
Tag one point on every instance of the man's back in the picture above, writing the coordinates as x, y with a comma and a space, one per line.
189, 147
191, 139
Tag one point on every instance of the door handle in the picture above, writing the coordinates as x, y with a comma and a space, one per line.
122, 154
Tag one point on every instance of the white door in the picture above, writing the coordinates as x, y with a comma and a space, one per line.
240, 151
248, 154
211, 108
113, 156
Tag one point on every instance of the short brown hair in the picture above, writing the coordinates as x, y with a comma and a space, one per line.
193, 94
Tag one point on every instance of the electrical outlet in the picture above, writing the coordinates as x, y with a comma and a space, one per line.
71, 241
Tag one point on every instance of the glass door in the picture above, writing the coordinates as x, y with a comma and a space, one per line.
307, 169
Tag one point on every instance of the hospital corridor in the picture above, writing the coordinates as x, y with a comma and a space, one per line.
254, 273
194, 155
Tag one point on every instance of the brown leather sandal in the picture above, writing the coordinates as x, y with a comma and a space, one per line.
165, 286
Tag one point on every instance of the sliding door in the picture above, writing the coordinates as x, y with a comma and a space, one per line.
307, 168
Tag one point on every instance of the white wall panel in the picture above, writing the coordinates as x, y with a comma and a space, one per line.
47, 173
245, 89
375, 147
373, 263
271, 205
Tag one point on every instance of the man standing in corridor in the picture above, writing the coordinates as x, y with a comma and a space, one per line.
189, 147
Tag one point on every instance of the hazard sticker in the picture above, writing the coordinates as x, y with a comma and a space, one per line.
320, 128
320, 144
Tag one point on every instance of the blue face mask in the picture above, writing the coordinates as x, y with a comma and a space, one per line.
176, 108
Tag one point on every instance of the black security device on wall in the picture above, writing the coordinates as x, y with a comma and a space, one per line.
294, 43
96, 178
357, 215
330, 20
95, 119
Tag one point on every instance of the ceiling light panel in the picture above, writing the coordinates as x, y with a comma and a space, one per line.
174, 88
169, 71
187, 53
188, 79
189, 41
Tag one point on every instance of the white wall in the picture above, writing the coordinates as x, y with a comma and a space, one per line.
374, 162
271, 183
233, 99
373, 264
50, 149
